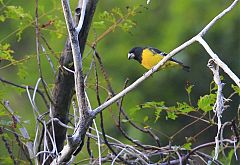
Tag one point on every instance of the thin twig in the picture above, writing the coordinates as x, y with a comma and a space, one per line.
101, 118
186, 126
23, 148
112, 93
90, 153
49, 60
194, 150
218, 61
38, 54
120, 104
49, 47
9, 150
164, 60
83, 10
24, 87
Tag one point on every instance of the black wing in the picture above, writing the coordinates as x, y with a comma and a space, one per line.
157, 51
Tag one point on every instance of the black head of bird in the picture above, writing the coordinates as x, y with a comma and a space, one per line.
136, 54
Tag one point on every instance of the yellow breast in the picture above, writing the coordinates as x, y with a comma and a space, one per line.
149, 59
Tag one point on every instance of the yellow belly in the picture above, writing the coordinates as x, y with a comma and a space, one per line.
149, 60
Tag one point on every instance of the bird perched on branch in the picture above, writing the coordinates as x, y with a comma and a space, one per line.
149, 57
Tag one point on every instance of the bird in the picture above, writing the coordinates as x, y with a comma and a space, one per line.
148, 57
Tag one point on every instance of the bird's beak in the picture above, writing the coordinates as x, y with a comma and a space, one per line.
130, 56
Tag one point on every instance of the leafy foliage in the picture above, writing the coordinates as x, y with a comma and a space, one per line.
22, 71
54, 26
184, 107
236, 89
116, 18
17, 14
206, 102
172, 112
6, 53
189, 89
148, 32
187, 146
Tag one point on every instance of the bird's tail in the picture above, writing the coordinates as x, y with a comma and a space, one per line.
186, 68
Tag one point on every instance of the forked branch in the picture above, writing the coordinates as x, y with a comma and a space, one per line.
198, 38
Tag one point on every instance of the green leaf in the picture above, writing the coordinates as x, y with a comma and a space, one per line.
158, 106
184, 107
171, 113
2, 112
153, 104
22, 71
145, 119
99, 24
187, 146
116, 18
59, 26
127, 25
236, 89
6, 52
213, 87
158, 112
16, 12
134, 110
229, 157
106, 16
118, 12
189, 89
206, 102
2, 18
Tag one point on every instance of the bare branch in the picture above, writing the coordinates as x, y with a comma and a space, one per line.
83, 9
75, 141
163, 61
206, 28
77, 58
195, 150
218, 61
38, 53
24, 87
64, 84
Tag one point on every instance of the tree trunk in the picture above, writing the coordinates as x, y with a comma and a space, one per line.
64, 84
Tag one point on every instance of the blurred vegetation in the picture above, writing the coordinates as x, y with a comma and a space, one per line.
127, 23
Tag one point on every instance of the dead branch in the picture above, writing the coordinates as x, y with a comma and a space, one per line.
198, 38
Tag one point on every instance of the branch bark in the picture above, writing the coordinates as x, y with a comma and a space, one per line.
77, 41
77, 57
75, 141
64, 83
170, 55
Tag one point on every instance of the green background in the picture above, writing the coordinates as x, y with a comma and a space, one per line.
164, 24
